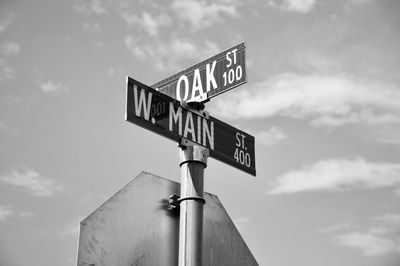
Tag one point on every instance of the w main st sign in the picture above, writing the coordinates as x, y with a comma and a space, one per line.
164, 115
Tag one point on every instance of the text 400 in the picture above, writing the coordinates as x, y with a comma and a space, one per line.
242, 157
233, 75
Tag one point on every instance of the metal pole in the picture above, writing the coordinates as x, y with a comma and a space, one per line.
193, 160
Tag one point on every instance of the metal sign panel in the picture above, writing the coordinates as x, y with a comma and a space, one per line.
163, 115
136, 226
208, 78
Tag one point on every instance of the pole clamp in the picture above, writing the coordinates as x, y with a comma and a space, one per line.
191, 152
196, 107
175, 200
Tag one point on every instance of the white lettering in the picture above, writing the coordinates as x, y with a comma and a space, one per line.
197, 86
189, 127
140, 104
186, 88
175, 117
229, 59
207, 132
199, 129
210, 76
234, 55
238, 139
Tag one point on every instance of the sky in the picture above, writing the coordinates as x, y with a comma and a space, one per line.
322, 100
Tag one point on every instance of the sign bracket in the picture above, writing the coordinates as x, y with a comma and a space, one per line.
175, 200
196, 107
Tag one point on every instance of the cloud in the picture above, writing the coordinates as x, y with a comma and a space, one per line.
5, 213
389, 136
336, 228
388, 141
388, 219
327, 100
92, 27
165, 56
202, 14
33, 183
90, 7
369, 244
270, 137
150, 24
6, 72
378, 238
296, 6
338, 175
9, 48
5, 21
52, 87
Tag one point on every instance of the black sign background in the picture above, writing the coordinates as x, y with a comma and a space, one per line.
231, 145
168, 85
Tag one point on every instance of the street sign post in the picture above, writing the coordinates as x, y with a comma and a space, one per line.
208, 78
164, 115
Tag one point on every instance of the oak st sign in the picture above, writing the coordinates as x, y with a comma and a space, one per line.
208, 78
161, 114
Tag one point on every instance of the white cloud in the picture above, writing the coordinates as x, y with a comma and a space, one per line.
52, 87
92, 27
336, 228
369, 244
202, 14
150, 24
388, 141
337, 175
389, 219
90, 7
378, 238
165, 56
33, 183
326, 100
270, 137
9, 48
389, 135
6, 72
5, 21
298, 6
5, 213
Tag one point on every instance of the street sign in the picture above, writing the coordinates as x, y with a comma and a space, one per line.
164, 115
137, 226
208, 78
